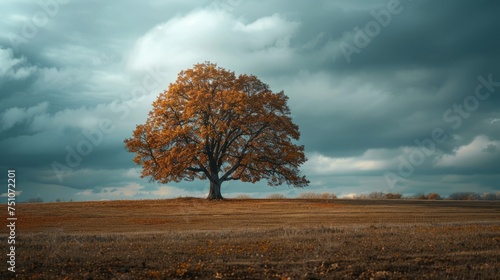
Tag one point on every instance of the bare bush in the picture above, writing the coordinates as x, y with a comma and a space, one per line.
35, 200
313, 195
474, 196
276, 196
327, 195
419, 196
464, 196
433, 196
393, 195
488, 196
376, 195
429, 196
360, 196
309, 195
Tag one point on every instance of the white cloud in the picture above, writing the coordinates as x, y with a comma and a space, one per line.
14, 68
336, 95
134, 190
18, 193
82, 118
124, 192
207, 35
371, 160
76, 55
16, 115
123, 115
349, 195
66, 79
173, 192
133, 173
477, 152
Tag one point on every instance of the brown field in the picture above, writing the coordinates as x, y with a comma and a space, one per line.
257, 239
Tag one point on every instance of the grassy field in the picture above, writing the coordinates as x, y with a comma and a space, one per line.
257, 239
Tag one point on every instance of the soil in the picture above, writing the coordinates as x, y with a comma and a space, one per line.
257, 239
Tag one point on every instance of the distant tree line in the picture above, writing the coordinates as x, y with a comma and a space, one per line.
431, 196
372, 195
390, 195
35, 200
474, 196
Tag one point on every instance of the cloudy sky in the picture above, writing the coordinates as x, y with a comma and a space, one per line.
399, 96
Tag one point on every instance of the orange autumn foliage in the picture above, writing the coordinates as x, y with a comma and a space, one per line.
212, 125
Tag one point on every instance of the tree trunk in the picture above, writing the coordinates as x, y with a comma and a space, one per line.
214, 191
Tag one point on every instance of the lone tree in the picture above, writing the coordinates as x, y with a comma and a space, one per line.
212, 125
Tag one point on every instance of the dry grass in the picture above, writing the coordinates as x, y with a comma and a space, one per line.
276, 196
258, 239
313, 195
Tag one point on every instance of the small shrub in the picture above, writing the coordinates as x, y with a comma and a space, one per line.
433, 196
313, 195
473, 196
276, 196
309, 195
488, 196
326, 195
376, 195
360, 196
35, 200
464, 196
420, 196
393, 195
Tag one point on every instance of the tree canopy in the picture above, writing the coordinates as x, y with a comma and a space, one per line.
211, 124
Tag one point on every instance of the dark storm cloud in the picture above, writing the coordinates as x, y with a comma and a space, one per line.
359, 114
427, 59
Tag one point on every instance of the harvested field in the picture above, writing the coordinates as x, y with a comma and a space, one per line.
258, 239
